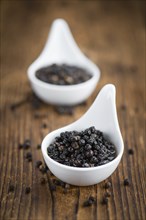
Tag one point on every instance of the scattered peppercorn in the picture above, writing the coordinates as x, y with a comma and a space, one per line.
39, 146
44, 125
27, 190
123, 107
107, 194
130, 151
68, 110
20, 146
42, 181
42, 169
87, 148
108, 185
63, 74
38, 163
11, 188
35, 101
53, 188
91, 200
26, 144
126, 182
28, 155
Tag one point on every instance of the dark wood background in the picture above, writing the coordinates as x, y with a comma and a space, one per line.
112, 34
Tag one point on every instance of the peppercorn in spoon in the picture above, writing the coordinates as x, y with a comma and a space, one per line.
61, 49
103, 116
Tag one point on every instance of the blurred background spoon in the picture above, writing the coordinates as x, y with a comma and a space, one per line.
61, 48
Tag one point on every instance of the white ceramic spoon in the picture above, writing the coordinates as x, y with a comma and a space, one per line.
102, 114
61, 48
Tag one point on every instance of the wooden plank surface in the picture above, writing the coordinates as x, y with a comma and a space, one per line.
112, 34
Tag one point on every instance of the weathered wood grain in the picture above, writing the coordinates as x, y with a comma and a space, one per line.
112, 34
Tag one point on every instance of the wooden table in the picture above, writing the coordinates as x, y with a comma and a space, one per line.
113, 36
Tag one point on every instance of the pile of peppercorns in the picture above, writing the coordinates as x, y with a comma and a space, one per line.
87, 148
63, 74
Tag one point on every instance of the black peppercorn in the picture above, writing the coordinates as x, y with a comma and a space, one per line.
26, 144
42, 181
20, 146
42, 169
27, 190
44, 125
88, 147
69, 110
89, 153
126, 182
82, 142
38, 163
39, 146
108, 185
75, 145
11, 188
130, 151
107, 194
91, 200
28, 155
53, 188
86, 165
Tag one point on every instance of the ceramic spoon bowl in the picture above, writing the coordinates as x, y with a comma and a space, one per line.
102, 114
61, 48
